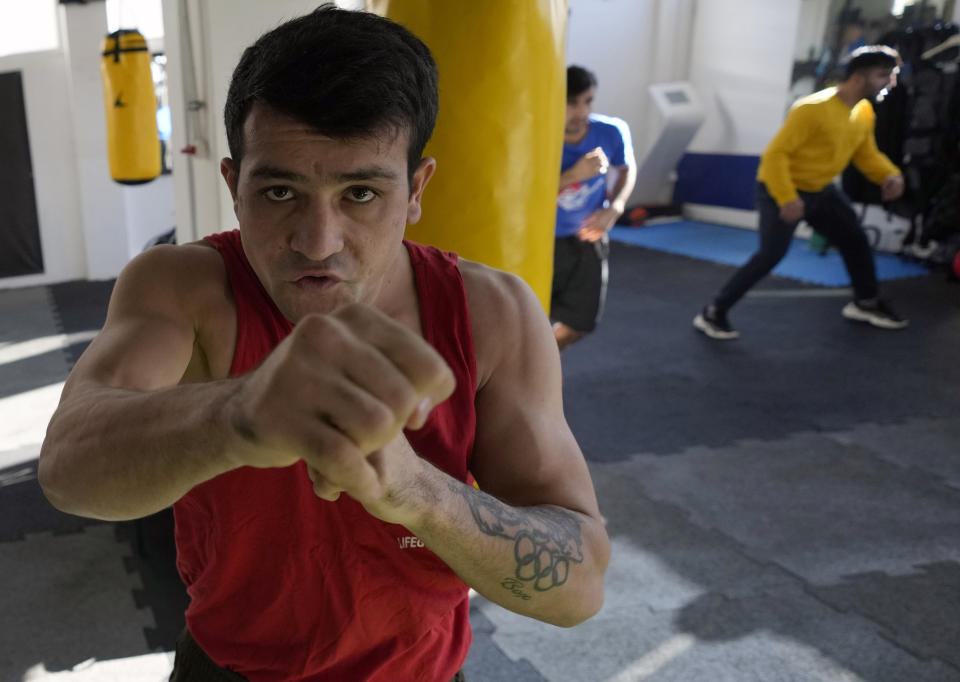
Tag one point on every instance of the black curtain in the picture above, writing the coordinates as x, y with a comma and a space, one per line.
20, 252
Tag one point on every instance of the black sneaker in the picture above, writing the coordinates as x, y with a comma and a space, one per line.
713, 322
876, 312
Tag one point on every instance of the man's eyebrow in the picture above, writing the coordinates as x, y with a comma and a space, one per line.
371, 173
277, 173
358, 175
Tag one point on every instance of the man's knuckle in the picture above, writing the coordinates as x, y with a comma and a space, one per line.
326, 441
401, 397
380, 418
319, 332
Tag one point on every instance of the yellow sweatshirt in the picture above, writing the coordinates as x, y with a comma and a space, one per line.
819, 138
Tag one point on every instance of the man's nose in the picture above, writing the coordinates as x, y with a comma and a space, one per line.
320, 233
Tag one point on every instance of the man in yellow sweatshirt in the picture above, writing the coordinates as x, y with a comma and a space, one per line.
822, 134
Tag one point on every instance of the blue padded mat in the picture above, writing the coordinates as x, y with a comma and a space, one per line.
733, 246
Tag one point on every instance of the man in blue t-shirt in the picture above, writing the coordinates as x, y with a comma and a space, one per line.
597, 176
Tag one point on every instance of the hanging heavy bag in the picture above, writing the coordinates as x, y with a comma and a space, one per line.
133, 144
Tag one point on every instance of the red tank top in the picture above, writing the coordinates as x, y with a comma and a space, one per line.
286, 586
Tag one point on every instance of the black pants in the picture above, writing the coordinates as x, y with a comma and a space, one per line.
828, 212
193, 665
580, 273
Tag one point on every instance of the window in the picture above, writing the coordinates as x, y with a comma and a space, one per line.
144, 15
158, 69
28, 26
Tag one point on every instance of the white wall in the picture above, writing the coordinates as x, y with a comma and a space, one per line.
90, 226
148, 212
32, 29
737, 53
220, 29
616, 41
811, 30
47, 104
741, 61
629, 45
232, 29
82, 27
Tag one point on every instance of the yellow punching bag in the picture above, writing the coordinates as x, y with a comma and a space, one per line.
133, 143
499, 132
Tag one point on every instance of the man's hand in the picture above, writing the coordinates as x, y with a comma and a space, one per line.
338, 388
398, 469
594, 162
892, 188
792, 211
597, 224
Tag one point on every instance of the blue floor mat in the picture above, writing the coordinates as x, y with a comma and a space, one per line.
733, 246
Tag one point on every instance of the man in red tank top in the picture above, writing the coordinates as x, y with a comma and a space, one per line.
316, 396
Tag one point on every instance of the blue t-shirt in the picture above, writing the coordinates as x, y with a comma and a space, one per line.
579, 200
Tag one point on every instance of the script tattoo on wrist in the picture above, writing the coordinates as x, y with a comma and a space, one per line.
546, 540
515, 587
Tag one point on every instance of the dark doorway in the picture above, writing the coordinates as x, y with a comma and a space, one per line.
20, 252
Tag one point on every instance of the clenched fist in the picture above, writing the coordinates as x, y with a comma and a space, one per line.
593, 163
339, 388
792, 211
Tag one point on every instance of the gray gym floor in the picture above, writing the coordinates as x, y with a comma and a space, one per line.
782, 507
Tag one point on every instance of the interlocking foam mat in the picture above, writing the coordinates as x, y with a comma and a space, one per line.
733, 246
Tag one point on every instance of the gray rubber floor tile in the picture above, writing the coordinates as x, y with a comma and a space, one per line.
932, 445
18, 464
920, 612
27, 314
24, 510
790, 636
486, 661
784, 636
80, 578
661, 560
26, 362
33, 372
817, 508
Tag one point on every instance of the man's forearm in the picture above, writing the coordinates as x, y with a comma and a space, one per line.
777, 178
543, 561
622, 188
568, 177
118, 454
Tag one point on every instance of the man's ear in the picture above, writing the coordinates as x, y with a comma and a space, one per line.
230, 176
421, 177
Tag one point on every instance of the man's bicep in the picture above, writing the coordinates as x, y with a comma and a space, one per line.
525, 458
524, 452
148, 338
141, 353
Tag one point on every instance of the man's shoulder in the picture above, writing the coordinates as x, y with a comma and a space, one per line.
863, 111
183, 287
187, 264
816, 99
611, 133
502, 306
489, 285
188, 279
609, 123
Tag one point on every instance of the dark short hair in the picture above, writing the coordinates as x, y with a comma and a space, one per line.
871, 57
579, 80
347, 74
